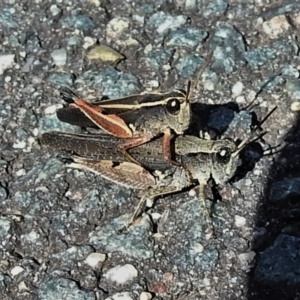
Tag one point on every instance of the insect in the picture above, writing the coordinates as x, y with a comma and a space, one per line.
135, 119
217, 159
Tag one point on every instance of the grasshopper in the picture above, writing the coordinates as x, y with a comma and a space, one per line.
99, 154
136, 119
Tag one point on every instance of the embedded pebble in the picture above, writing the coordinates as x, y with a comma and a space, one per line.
6, 62
5, 225
88, 42
59, 57
121, 296
237, 89
16, 271
94, 259
55, 10
52, 109
62, 288
239, 221
276, 26
163, 21
145, 296
295, 106
246, 260
240, 99
116, 26
122, 274
19, 144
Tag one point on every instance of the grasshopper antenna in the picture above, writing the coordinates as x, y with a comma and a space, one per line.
68, 95
253, 135
203, 68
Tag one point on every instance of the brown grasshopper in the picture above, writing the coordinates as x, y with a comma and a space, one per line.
136, 119
99, 154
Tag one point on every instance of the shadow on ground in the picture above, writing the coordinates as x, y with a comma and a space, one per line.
277, 236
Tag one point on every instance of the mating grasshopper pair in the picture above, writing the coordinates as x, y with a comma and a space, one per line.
128, 160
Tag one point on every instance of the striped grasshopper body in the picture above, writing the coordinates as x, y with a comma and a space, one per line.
99, 154
135, 119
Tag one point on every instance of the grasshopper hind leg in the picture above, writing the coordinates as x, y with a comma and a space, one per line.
202, 195
151, 193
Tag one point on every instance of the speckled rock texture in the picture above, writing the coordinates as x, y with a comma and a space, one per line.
58, 226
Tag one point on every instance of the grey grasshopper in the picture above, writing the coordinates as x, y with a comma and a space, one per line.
217, 159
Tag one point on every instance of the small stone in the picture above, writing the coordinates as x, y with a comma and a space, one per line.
21, 172
163, 21
120, 296
116, 27
88, 42
94, 259
240, 99
96, 2
145, 296
7, 79
237, 89
62, 288
19, 145
78, 21
55, 10
152, 84
52, 109
190, 4
246, 260
122, 274
197, 248
251, 95
276, 26
295, 106
239, 221
59, 57
16, 271
6, 62
104, 53
5, 225
186, 37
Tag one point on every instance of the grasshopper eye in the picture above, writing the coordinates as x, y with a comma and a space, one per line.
173, 106
224, 155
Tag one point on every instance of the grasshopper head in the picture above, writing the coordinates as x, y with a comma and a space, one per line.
225, 162
178, 111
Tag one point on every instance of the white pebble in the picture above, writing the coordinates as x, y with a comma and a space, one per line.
246, 259
52, 109
88, 42
7, 79
116, 26
16, 271
295, 106
59, 57
240, 99
237, 89
120, 296
19, 144
239, 221
94, 259
6, 62
145, 296
276, 26
35, 132
55, 10
21, 172
122, 274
